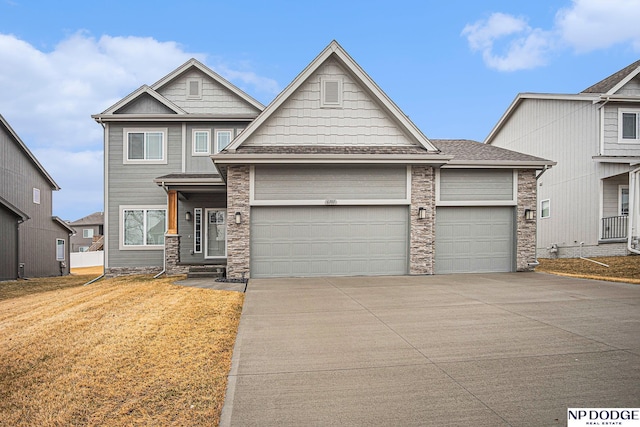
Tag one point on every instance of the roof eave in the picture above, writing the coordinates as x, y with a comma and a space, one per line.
501, 164
315, 158
169, 117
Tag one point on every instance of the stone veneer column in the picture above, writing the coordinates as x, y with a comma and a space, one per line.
172, 255
238, 235
422, 230
526, 230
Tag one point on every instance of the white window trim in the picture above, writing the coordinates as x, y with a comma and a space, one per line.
627, 140
218, 131
125, 146
121, 244
205, 233
193, 142
541, 210
64, 249
199, 94
323, 103
87, 233
36, 196
620, 188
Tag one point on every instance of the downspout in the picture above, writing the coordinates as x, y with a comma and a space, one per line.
634, 210
164, 249
105, 226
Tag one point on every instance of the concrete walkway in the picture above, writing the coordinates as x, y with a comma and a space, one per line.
457, 350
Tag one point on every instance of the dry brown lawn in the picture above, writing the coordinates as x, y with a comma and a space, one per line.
126, 351
621, 268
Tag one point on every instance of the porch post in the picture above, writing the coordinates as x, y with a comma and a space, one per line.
172, 207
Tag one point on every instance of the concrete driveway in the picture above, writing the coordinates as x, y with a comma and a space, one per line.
475, 350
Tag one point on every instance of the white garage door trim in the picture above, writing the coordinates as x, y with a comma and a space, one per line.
475, 239
296, 241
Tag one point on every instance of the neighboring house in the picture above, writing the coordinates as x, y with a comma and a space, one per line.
33, 243
88, 233
587, 205
330, 179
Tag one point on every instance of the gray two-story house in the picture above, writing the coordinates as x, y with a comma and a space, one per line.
589, 203
33, 243
331, 178
88, 234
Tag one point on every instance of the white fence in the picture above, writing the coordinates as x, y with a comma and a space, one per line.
87, 259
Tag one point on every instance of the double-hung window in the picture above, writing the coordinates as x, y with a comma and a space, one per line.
87, 233
143, 227
201, 142
145, 146
629, 125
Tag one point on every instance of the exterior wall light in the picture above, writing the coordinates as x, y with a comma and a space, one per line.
238, 216
187, 216
529, 214
422, 213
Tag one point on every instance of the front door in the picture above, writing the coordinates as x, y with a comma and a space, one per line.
215, 243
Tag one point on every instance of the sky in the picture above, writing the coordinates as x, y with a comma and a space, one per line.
453, 67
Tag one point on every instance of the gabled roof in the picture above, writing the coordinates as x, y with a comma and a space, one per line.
194, 63
29, 154
144, 89
615, 81
334, 50
92, 219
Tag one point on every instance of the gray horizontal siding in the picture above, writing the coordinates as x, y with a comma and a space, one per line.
612, 144
476, 184
330, 182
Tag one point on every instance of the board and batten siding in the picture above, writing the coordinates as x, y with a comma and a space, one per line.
476, 185
566, 132
216, 99
133, 185
301, 120
328, 182
8, 245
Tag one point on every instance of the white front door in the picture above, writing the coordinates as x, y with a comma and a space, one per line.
215, 242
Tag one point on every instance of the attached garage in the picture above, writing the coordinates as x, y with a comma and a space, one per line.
475, 221
329, 241
474, 239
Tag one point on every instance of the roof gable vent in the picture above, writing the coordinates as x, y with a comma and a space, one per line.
331, 93
194, 88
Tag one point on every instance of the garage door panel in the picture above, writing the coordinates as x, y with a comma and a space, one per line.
474, 239
336, 240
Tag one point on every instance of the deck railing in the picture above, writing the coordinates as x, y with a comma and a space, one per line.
614, 227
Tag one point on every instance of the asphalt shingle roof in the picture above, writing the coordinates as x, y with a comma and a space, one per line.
465, 149
605, 85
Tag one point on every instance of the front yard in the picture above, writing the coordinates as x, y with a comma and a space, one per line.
125, 351
620, 268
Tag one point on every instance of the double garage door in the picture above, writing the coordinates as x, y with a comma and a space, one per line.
373, 240
304, 241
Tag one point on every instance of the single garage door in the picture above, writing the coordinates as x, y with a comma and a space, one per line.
329, 241
474, 240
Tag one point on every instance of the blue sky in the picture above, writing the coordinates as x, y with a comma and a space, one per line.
453, 67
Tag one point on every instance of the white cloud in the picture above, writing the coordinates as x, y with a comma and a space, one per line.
598, 24
48, 97
584, 26
526, 49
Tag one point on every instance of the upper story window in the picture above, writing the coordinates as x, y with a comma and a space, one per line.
145, 146
629, 125
330, 93
87, 233
36, 196
194, 88
201, 142
223, 138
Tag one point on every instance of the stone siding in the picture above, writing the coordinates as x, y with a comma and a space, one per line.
125, 271
238, 235
588, 251
422, 234
172, 255
526, 229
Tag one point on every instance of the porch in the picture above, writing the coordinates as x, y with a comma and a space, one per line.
614, 224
